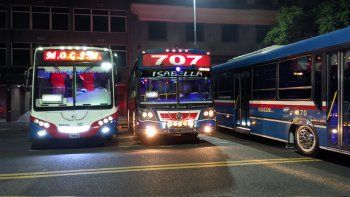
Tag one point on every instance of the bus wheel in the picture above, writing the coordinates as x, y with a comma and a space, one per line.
306, 140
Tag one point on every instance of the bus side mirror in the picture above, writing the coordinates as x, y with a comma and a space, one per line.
28, 79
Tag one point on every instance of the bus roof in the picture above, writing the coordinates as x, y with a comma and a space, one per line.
194, 51
276, 52
63, 47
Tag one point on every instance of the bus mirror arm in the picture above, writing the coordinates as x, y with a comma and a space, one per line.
28, 77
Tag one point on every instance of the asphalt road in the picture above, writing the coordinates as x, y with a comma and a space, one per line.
225, 164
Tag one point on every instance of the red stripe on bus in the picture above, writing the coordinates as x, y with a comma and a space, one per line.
277, 106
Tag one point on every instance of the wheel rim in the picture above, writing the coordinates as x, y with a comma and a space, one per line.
306, 139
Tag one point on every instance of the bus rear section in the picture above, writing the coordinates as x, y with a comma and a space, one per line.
72, 94
172, 93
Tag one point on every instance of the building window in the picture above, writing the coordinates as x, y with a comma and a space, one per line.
229, 33
20, 17
264, 82
100, 20
118, 19
261, 31
157, 31
60, 18
3, 17
82, 20
295, 78
41, 18
190, 33
21, 54
119, 56
3, 54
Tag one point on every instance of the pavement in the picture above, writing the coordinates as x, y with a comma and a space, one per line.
224, 164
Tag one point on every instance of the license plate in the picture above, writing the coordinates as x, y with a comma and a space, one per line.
74, 135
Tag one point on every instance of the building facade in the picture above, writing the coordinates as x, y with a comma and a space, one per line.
27, 24
226, 29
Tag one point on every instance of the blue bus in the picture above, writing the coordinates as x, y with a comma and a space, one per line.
170, 94
295, 93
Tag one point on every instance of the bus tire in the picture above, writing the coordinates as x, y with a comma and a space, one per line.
306, 140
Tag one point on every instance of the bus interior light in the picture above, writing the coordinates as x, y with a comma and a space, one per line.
152, 94
106, 65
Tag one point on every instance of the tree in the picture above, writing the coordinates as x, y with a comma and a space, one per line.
332, 15
291, 25
295, 23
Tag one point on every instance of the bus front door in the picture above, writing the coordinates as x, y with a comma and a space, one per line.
338, 102
243, 82
345, 99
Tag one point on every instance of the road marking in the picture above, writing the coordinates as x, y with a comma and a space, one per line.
32, 175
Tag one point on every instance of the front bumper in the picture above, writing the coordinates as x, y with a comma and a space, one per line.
162, 128
53, 133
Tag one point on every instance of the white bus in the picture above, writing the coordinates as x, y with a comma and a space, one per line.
72, 94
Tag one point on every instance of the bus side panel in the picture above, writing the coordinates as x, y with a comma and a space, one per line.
275, 119
265, 121
225, 113
322, 136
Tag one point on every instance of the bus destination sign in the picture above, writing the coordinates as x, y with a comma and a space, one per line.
72, 55
176, 59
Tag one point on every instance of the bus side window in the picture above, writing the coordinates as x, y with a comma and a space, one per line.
226, 86
318, 80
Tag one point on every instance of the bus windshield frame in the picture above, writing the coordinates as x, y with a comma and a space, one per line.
175, 89
73, 85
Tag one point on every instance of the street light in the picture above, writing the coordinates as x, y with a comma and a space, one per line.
194, 24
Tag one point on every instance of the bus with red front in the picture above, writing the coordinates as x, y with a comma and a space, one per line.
170, 93
72, 94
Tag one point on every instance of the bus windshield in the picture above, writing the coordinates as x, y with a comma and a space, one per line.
191, 89
194, 89
68, 86
154, 89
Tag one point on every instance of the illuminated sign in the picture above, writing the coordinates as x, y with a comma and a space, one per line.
174, 74
72, 55
176, 59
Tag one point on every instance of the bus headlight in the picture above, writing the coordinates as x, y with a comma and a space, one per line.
206, 113
46, 125
105, 130
144, 114
151, 131
209, 113
42, 133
